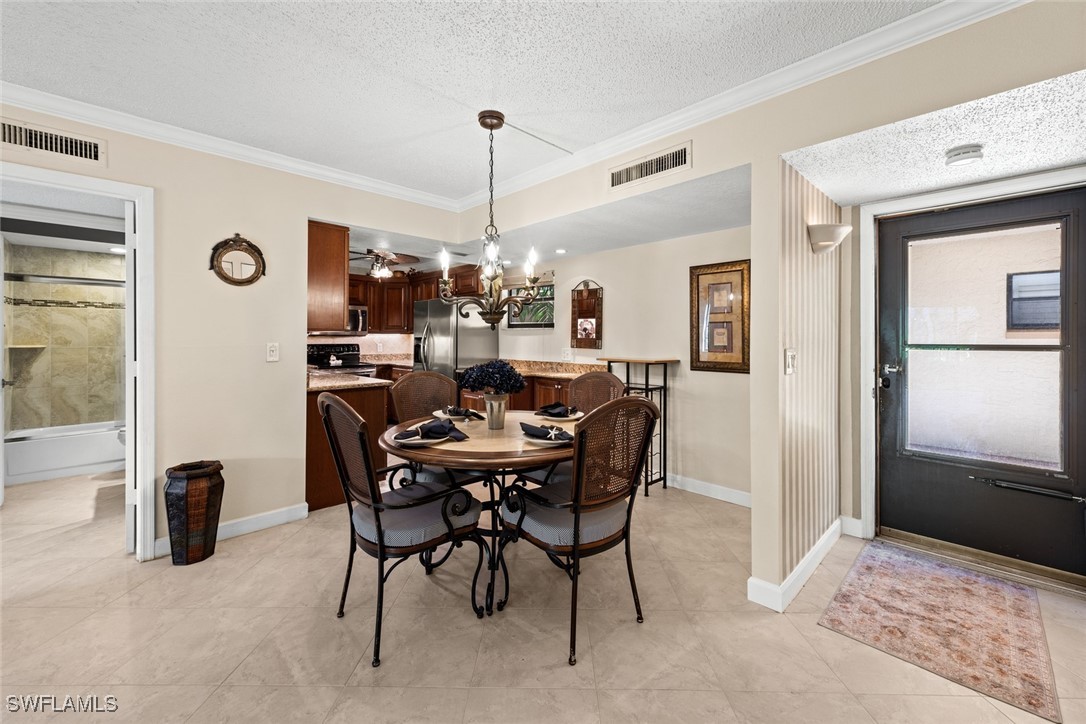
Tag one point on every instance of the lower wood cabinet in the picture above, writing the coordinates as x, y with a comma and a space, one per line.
546, 391
322, 486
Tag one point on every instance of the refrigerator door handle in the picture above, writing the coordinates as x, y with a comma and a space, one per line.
426, 336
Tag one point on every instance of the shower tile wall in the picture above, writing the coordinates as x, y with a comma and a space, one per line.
66, 341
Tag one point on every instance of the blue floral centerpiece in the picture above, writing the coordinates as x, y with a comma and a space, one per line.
496, 380
496, 377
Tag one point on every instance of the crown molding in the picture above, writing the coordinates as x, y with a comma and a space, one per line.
912, 30
41, 102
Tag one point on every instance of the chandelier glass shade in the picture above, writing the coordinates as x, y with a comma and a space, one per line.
492, 306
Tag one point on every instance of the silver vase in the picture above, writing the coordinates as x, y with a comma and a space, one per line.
495, 410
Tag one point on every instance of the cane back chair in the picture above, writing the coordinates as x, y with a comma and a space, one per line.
610, 446
586, 393
391, 525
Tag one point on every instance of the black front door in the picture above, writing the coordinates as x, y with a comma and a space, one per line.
982, 357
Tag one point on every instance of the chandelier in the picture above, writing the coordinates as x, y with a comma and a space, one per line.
492, 305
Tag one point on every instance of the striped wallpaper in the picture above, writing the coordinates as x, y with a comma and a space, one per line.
810, 297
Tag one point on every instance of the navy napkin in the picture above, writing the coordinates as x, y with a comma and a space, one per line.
557, 409
433, 430
545, 432
454, 411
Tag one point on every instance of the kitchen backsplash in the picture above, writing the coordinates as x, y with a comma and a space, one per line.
395, 346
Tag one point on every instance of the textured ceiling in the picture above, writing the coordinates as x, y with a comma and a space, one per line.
390, 90
1025, 130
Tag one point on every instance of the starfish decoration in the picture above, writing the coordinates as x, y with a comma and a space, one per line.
552, 432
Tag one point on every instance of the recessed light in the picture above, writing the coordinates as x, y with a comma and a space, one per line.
559, 251
964, 155
116, 250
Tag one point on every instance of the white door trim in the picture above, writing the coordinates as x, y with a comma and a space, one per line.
143, 437
869, 333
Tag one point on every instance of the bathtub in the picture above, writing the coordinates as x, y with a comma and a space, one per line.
55, 452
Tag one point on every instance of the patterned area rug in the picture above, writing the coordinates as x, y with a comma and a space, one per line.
973, 629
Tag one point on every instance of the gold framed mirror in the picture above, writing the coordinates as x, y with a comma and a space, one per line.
586, 318
237, 261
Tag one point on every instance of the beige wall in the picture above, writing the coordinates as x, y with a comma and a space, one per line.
810, 294
646, 314
217, 398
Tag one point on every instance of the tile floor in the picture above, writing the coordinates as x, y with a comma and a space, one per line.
251, 634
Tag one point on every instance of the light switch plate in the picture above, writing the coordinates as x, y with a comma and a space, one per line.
380, 347
273, 352
790, 361
567, 354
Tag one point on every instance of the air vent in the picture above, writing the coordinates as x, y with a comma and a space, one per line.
669, 161
38, 138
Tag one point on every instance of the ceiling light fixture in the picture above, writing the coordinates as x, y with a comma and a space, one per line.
492, 305
379, 269
964, 155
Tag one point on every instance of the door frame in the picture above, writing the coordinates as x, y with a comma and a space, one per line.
868, 297
143, 437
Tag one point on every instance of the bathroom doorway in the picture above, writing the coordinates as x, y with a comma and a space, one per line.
77, 350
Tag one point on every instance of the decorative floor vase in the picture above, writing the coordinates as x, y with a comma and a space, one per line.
495, 410
193, 500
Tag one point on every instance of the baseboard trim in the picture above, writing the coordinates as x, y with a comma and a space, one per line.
709, 490
852, 526
777, 597
248, 524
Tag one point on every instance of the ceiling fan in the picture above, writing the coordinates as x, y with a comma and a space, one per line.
382, 260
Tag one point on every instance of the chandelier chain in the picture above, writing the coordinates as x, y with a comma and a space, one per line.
492, 186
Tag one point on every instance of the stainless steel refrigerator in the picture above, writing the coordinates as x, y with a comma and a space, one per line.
446, 342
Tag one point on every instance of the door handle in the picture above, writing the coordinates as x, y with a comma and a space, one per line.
7, 383
887, 369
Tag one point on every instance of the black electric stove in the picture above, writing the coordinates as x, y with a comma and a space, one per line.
339, 357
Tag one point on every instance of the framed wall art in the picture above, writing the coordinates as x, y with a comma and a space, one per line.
720, 317
537, 315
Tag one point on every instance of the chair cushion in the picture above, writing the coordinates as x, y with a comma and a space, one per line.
411, 526
563, 473
555, 526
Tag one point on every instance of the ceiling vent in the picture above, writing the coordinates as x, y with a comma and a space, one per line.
48, 140
642, 169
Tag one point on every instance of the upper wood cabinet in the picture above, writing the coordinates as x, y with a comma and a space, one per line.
465, 280
397, 308
327, 271
424, 286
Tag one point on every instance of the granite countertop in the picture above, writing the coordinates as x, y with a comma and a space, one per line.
395, 360
320, 380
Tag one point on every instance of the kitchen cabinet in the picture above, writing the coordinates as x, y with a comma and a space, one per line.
327, 274
465, 279
397, 309
546, 390
521, 401
322, 486
391, 309
424, 286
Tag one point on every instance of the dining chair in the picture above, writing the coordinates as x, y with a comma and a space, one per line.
610, 446
419, 394
391, 525
586, 393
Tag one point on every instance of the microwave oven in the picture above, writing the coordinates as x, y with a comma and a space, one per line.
358, 320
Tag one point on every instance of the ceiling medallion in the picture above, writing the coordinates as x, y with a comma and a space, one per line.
492, 306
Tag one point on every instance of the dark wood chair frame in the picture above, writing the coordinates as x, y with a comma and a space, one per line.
568, 558
456, 501
445, 388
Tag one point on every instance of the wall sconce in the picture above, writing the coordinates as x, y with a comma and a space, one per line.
825, 237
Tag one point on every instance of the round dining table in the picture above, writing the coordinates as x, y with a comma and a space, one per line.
492, 450
493, 453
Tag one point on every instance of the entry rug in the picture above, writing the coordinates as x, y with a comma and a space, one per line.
973, 629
